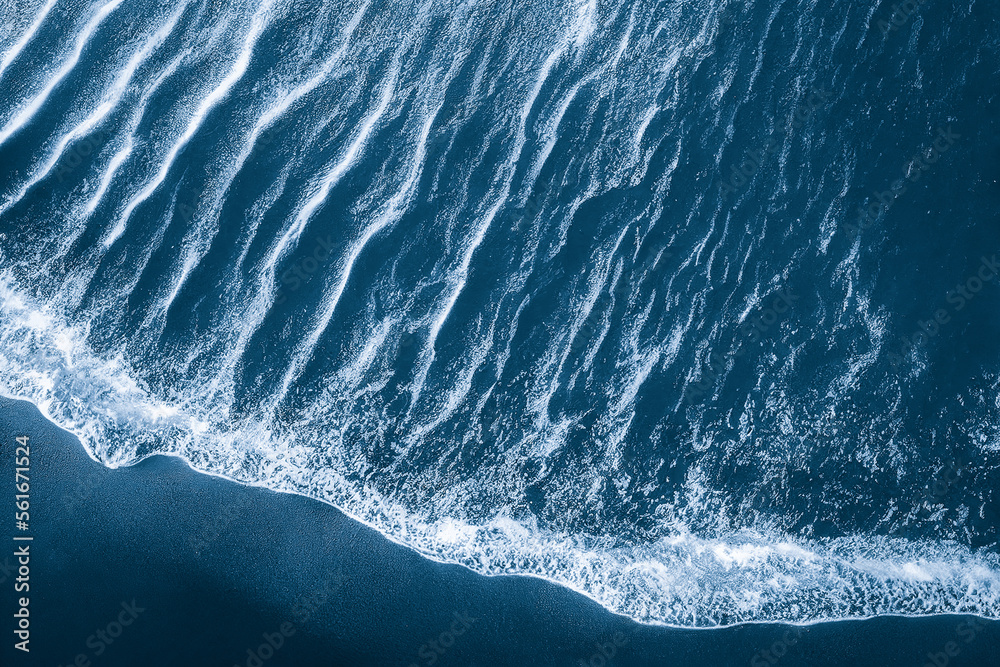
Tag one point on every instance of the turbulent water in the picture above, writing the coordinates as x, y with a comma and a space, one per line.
585, 290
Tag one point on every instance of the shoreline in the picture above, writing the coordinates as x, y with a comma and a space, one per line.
218, 566
443, 560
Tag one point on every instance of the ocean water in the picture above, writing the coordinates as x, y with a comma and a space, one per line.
690, 307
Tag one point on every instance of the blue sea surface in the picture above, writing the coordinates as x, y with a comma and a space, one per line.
692, 307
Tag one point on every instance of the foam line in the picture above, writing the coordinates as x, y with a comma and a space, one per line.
110, 101
392, 212
258, 24
333, 177
29, 110
128, 144
13, 52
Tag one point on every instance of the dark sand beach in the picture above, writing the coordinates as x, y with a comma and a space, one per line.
157, 564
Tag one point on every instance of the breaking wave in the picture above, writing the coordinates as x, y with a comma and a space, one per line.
574, 290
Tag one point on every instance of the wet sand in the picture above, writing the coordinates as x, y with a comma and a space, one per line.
157, 564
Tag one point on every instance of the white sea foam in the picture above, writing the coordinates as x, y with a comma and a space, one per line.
704, 555
678, 578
